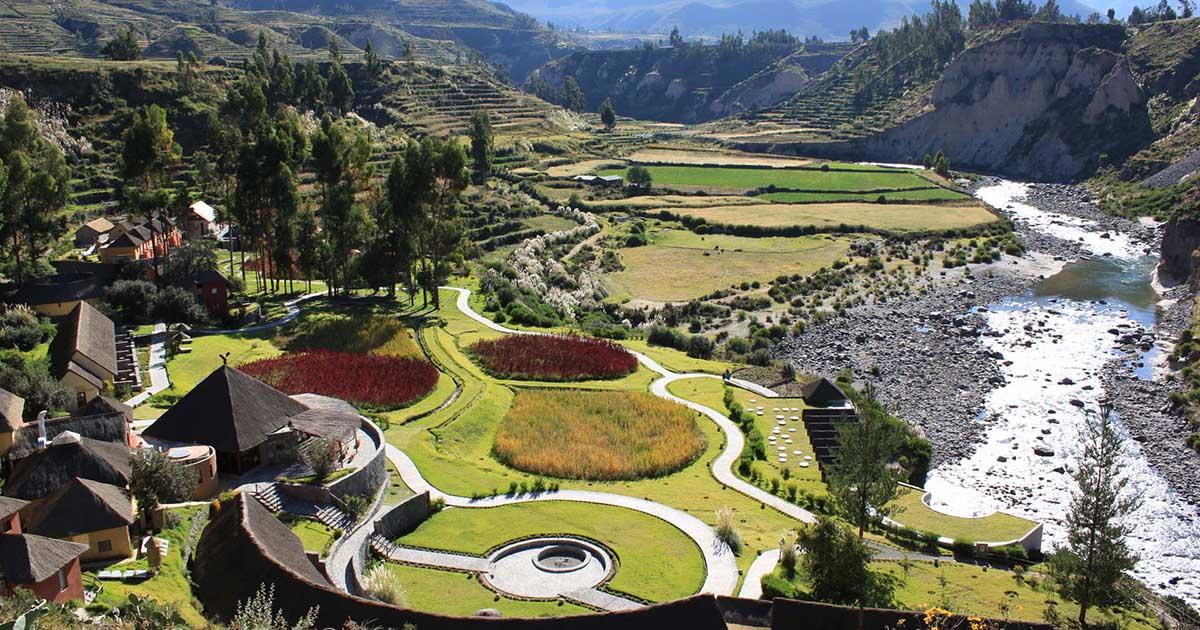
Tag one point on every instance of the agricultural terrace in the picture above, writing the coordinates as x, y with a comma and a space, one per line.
371, 380
603, 436
553, 358
713, 157
679, 265
898, 218
920, 194
839, 178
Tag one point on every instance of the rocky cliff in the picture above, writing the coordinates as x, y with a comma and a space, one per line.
1047, 102
1181, 238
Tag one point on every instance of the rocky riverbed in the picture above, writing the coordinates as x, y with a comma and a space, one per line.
998, 367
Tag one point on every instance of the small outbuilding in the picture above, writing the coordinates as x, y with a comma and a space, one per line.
84, 511
822, 392
211, 288
94, 232
83, 354
48, 567
201, 220
68, 456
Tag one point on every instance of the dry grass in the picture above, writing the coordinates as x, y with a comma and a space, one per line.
673, 274
581, 168
667, 202
890, 217
716, 158
611, 435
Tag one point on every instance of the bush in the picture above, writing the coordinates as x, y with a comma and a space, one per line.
726, 530
700, 347
553, 358
321, 455
382, 381
384, 585
20, 328
775, 585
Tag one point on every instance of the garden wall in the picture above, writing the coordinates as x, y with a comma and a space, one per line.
405, 517
370, 478
791, 614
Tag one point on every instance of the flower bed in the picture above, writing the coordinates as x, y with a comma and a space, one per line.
378, 381
597, 435
553, 358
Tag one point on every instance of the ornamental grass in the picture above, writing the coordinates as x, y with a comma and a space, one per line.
553, 358
377, 381
597, 435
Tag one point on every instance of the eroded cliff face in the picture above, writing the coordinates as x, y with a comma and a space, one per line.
1048, 102
1177, 259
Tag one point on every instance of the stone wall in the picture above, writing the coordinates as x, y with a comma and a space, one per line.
403, 518
370, 478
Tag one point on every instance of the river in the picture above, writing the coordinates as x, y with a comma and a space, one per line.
1054, 340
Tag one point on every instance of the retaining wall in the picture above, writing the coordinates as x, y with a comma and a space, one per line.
370, 478
405, 517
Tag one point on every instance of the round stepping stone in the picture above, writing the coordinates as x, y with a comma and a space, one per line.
797, 452
791, 429
753, 401
804, 464
808, 458
795, 418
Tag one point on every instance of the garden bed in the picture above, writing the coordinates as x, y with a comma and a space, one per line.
553, 358
376, 381
597, 435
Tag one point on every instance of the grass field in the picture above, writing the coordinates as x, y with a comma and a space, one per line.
807, 179
714, 157
597, 435
670, 201
671, 273
188, 369
315, 536
924, 194
453, 593
656, 561
549, 223
581, 168
996, 527
358, 332
892, 218
710, 392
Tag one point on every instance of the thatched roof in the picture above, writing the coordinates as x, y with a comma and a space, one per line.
229, 411
28, 558
56, 289
12, 407
80, 507
98, 225
88, 332
10, 506
103, 405
822, 392
67, 457
105, 427
327, 417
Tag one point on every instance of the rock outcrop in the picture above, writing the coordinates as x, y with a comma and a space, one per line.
1177, 260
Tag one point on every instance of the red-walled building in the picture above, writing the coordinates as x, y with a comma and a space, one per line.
48, 567
212, 290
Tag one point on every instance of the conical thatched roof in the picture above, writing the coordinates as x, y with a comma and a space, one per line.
67, 457
80, 507
28, 558
229, 411
822, 392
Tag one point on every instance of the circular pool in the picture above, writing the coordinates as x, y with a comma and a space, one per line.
545, 568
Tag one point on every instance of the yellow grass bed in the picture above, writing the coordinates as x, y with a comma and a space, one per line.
585, 167
890, 217
667, 202
715, 158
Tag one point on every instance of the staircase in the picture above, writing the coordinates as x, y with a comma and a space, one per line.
382, 546
334, 517
822, 428
268, 495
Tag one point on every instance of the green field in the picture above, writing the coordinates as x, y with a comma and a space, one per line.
668, 272
831, 216
732, 178
997, 527
657, 561
923, 194
315, 536
453, 593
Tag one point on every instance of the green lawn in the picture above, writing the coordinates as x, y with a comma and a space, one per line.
731, 178
997, 527
670, 273
170, 585
549, 223
315, 536
188, 369
453, 593
925, 194
656, 561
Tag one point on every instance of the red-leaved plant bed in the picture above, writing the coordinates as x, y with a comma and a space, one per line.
553, 358
380, 381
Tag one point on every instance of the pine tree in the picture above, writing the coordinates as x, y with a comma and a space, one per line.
573, 98
123, 47
482, 141
862, 481
608, 114
1090, 566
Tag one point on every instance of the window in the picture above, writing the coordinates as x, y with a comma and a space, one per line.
214, 290
62, 579
104, 546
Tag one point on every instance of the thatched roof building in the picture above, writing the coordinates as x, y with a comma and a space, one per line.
68, 456
80, 507
27, 558
105, 427
822, 392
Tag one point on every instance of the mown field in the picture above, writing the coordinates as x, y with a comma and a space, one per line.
685, 267
653, 155
891, 218
657, 561
921, 194
860, 180
997, 527
461, 594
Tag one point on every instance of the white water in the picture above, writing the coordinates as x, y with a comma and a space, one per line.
1073, 342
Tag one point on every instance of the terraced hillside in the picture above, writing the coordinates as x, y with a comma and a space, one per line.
444, 31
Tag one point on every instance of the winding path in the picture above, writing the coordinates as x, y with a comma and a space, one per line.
720, 564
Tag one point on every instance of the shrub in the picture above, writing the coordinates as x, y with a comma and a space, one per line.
20, 328
384, 585
321, 455
597, 435
381, 381
553, 358
789, 556
726, 530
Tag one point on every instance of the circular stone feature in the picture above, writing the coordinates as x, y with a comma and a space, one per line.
545, 568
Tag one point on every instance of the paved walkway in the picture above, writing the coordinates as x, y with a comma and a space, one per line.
439, 559
603, 599
293, 311
158, 367
762, 565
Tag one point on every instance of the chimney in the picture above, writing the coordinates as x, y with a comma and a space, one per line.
41, 430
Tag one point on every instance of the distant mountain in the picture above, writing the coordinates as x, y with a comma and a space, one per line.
828, 19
